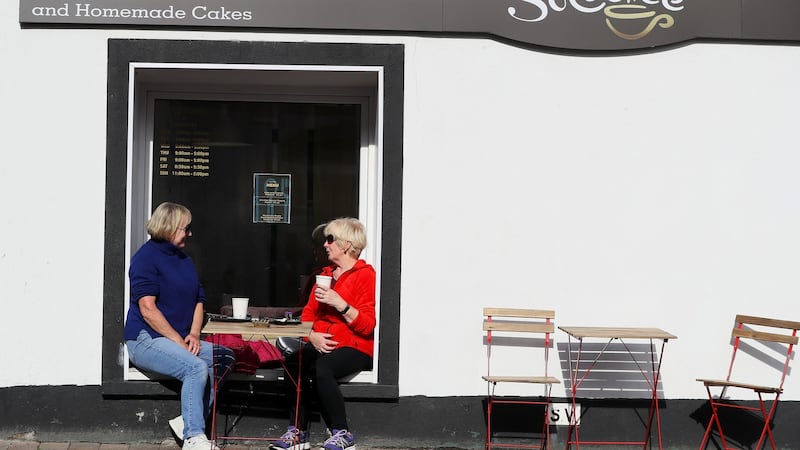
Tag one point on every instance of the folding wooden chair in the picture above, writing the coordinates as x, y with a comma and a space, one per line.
527, 333
776, 335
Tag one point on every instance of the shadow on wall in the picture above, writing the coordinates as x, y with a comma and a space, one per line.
623, 370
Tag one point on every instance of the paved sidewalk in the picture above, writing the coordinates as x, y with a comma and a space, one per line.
166, 445
19, 444
35, 445
23, 444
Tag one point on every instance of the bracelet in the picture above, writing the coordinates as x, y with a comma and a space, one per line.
346, 308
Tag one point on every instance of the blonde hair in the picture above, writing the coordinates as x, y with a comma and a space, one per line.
348, 229
166, 219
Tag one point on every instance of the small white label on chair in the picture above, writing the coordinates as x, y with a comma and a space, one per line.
562, 414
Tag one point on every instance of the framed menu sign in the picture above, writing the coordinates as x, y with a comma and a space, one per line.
272, 195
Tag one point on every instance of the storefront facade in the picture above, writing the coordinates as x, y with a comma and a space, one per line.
632, 162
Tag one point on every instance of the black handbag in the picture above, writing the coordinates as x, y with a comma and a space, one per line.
289, 345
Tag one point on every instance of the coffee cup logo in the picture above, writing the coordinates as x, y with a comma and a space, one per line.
635, 17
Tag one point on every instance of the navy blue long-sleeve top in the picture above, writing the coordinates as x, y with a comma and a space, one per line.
164, 271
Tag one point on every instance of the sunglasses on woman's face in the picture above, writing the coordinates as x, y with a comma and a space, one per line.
330, 239
187, 229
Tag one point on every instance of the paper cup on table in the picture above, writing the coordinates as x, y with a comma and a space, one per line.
240, 307
323, 280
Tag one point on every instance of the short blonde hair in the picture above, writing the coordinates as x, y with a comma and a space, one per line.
166, 219
348, 229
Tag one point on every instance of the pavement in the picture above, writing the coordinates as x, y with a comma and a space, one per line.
22, 443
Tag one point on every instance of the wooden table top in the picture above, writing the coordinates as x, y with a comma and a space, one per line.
250, 332
617, 333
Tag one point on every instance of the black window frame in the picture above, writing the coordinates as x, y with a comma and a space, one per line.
123, 52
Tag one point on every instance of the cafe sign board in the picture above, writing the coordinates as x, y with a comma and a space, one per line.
561, 24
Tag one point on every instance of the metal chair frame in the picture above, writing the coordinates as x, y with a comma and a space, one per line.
761, 329
521, 322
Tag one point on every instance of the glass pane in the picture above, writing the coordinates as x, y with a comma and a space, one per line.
205, 155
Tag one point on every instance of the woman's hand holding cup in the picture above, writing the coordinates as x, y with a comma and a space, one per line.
324, 294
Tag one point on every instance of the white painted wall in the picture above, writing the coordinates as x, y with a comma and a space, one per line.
653, 190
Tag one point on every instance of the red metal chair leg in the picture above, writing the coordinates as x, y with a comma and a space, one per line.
488, 423
718, 423
546, 428
767, 431
707, 434
215, 387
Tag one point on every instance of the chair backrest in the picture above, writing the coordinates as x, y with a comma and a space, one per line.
765, 330
529, 322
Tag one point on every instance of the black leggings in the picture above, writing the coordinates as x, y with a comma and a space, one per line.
321, 373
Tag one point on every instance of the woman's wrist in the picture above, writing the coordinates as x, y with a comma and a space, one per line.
344, 310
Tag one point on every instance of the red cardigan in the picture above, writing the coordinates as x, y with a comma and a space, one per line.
357, 288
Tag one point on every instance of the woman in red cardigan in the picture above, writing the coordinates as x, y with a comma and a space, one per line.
341, 342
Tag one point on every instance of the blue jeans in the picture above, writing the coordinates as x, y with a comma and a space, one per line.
166, 357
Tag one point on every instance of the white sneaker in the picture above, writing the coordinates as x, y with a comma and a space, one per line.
199, 442
176, 424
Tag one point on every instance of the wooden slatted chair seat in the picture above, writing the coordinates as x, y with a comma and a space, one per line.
739, 384
513, 379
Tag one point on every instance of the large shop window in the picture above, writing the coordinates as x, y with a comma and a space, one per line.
261, 154
258, 177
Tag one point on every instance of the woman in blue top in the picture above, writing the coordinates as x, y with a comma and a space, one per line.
162, 330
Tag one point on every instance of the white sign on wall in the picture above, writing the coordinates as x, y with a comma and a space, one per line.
562, 414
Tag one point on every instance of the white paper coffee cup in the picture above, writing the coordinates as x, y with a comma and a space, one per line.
324, 280
240, 307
